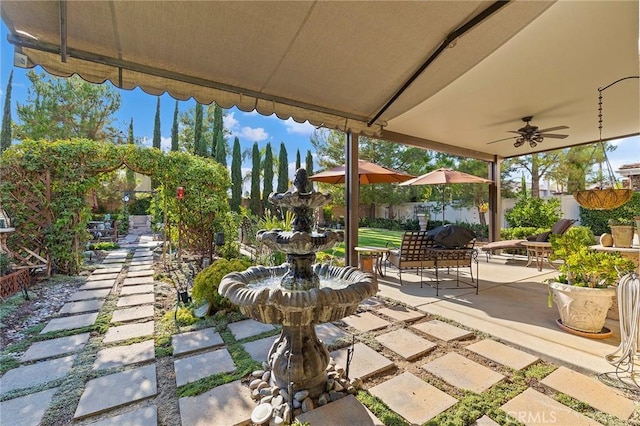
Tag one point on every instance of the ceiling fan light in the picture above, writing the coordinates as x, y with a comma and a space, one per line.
519, 142
533, 143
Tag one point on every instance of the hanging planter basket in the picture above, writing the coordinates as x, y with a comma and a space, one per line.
603, 199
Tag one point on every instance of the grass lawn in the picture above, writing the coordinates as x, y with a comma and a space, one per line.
371, 237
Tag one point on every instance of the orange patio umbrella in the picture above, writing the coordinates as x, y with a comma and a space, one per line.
367, 173
444, 177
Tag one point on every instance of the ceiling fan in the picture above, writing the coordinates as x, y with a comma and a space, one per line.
532, 134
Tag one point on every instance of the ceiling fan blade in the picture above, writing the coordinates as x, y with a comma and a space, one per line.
500, 140
517, 132
551, 129
552, 136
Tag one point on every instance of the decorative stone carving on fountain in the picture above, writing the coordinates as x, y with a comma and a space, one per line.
298, 294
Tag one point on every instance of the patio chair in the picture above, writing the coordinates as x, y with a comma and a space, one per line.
559, 228
410, 255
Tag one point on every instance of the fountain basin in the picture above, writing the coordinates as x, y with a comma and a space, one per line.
296, 242
273, 304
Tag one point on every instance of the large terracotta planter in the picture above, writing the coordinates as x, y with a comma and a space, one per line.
622, 235
582, 308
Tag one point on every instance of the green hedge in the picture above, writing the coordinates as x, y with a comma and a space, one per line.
520, 233
597, 219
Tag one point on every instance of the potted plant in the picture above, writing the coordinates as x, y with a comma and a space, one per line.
622, 232
585, 289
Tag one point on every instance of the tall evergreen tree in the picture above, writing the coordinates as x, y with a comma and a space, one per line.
298, 160
255, 203
267, 184
131, 176
309, 163
5, 136
283, 169
198, 147
156, 126
221, 150
309, 166
218, 133
236, 177
174, 129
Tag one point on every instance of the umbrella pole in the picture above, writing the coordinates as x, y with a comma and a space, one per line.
444, 199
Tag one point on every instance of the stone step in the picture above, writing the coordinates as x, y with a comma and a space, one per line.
503, 354
69, 323
195, 340
92, 305
366, 321
365, 362
412, 398
248, 328
128, 331
117, 389
195, 367
442, 330
229, 404
406, 344
36, 374
534, 408
591, 391
463, 373
26, 410
55, 347
124, 355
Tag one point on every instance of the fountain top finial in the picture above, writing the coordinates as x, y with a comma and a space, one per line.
301, 181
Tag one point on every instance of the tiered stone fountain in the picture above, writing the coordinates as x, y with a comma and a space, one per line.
298, 295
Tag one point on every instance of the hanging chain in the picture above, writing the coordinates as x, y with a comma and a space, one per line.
612, 178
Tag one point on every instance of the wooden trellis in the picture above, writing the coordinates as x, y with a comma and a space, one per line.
35, 197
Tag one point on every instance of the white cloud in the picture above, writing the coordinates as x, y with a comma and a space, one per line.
256, 134
165, 143
298, 128
230, 122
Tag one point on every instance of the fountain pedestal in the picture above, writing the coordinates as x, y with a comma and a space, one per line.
299, 358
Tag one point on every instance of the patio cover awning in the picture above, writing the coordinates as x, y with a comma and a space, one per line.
337, 64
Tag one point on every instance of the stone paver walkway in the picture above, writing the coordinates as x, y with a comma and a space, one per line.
417, 365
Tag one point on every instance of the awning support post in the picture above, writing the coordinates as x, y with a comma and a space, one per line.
352, 196
495, 202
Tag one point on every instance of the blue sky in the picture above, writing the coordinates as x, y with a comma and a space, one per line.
248, 127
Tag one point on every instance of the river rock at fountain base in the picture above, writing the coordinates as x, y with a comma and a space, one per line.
278, 398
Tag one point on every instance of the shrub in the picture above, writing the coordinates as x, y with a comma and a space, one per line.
205, 284
103, 245
597, 220
5, 264
534, 212
571, 241
520, 233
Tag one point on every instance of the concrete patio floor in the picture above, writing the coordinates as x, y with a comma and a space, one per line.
511, 305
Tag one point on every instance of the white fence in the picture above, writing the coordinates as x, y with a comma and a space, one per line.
569, 209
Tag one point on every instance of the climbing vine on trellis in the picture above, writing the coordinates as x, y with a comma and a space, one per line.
43, 186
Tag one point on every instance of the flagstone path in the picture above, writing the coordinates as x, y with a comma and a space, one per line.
418, 366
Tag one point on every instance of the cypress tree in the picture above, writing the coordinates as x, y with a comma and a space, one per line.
267, 183
174, 130
236, 177
298, 162
255, 203
309, 167
283, 169
156, 126
218, 133
197, 133
131, 176
5, 136
221, 149
309, 163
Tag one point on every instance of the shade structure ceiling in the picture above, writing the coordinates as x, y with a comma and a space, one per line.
337, 64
